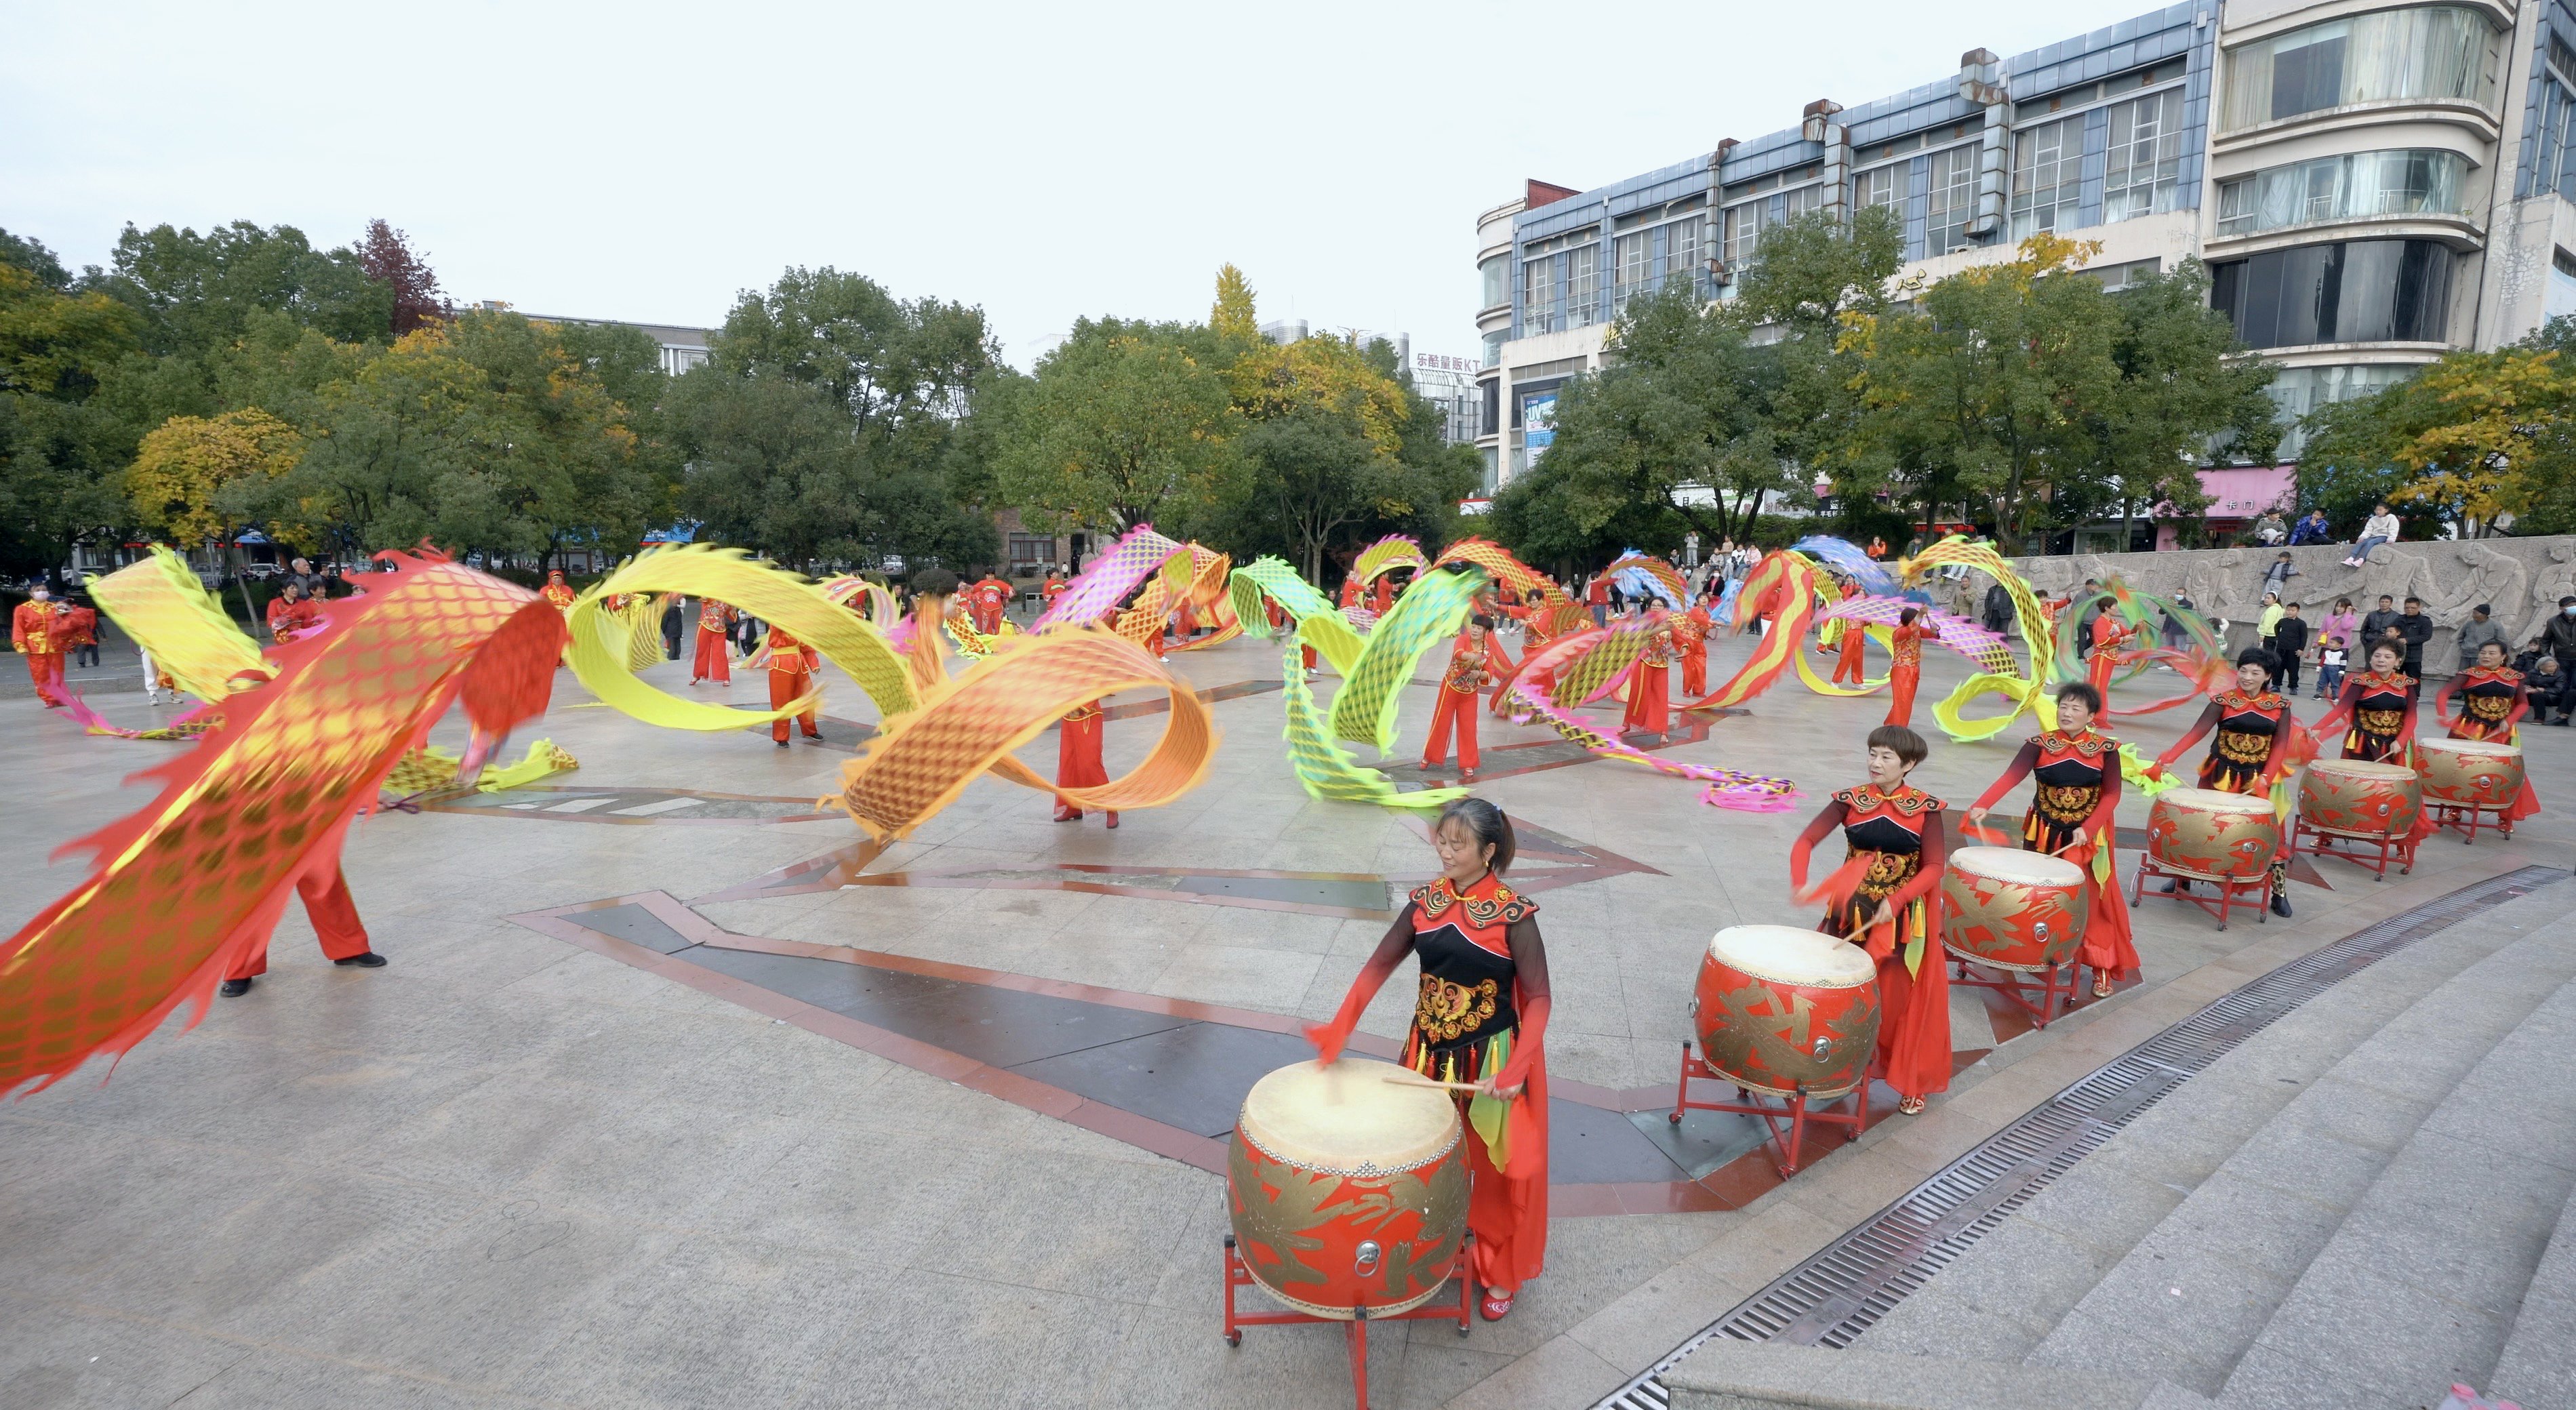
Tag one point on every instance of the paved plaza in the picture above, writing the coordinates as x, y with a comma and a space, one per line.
676, 1093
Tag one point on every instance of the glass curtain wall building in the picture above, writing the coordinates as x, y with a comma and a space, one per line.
2368, 184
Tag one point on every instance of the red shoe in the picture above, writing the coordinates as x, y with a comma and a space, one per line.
1113, 822
1068, 814
1495, 1306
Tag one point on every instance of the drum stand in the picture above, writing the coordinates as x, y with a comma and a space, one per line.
2053, 986
2449, 815
2391, 844
1786, 1149
1355, 1327
2259, 886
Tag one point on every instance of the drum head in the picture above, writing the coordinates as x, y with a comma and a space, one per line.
2210, 800
2495, 748
2362, 768
1785, 954
2017, 866
1348, 1115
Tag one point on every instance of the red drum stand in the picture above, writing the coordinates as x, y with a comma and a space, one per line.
2400, 845
2465, 818
1354, 1327
1785, 1148
2259, 886
2052, 987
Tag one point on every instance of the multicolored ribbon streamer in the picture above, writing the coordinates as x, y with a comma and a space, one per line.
1106, 580
183, 889
1385, 556
1644, 575
1589, 665
1988, 649
159, 602
2023, 692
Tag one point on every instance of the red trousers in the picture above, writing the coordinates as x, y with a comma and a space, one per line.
714, 658
1650, 693
1508, 1213
334, 915
784, 688
1077, 760
45, 668
1456, 708
1853, 639
1901, 681
1695, 674
1914, 1023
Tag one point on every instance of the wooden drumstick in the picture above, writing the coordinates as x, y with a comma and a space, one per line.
1415, 1079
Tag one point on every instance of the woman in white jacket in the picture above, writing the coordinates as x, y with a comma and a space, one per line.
2382, 528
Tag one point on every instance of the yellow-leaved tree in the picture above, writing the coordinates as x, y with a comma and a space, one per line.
186, 461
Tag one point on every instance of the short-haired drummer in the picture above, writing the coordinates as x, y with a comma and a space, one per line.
2073, 807
2380, 705
1882, 899
2250, 746
2492, 699
1479, 1017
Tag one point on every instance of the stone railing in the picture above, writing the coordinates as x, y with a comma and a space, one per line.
2522, 577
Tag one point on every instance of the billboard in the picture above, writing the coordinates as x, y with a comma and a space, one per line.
1538, 423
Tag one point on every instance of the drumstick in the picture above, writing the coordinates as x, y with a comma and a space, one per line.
1412, 1079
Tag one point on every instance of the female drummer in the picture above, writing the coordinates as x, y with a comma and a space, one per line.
1893, 831
2380, 703
2071, 816
1479, 1018
2249, 751
2491, 699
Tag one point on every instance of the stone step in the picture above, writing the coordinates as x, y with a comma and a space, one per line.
1737, 1375
2192, 1296
2421, 1284
2000, 1300
2538, 1366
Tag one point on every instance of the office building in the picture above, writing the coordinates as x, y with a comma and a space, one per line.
2370, 184
1447, 382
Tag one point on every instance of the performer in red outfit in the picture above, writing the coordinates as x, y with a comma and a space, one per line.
334, 914
715, 654
36, 629
1054, 588
557, 591
1854, 637
2108, 639
791, 678
2380, 703
290, 615
989, 596
2492, 703
1077, 757
1883, 900
1650, 686
1690, 643
1905, 665
1469, 659
1350, 592
1382, 597
2251, 748
2071, 815
1481, 1017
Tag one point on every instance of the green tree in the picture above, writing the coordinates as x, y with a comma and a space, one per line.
2470, 439
2183, 389
56, 346
198, 292
1120, 426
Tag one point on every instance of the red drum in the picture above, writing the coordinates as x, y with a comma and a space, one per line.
2355, 798
1782, 1010
1348, 1191
2217, 836
2012, 909
2469, 773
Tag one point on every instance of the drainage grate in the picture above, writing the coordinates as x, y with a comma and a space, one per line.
1833, 1297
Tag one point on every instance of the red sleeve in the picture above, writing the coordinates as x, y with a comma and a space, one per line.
2406, 730
2521, 704
2345, 699
1825, 822
2208, 719
2442, 715
2014, 772
1936, 853
2105, 815
1530, 997
1392, 947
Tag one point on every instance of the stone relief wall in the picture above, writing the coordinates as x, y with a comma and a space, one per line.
2522, 577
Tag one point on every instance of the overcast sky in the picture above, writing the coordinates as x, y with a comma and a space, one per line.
1045, 162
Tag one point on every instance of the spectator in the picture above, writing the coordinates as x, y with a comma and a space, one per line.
2339, 622
2415, 629
2311, 529
2549, 688
2382, 528
2290, 643
2276, 579
2375, 625
674, 624
2330, 668
2174, 631
300, 572
2558, 637
2477, 632
1596, 595
2269, 531
2084, 597
1998, 611
2269, 618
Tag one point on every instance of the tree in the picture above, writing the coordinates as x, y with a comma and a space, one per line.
386, 256
188, 461
1233, 316
1535, 516
33, 257
56, 487
1120, 426
2182, 382
197, 292
2471, 438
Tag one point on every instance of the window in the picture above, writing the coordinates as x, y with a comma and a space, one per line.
1636, 268
2550, 172
1494, 349
1681, 249
1583, 286
1031, 550
1744, 230
2358, 291
2116, 277
1878, 186
1802, 201
2048, 165
1492, 424
1492, 480
2141, 174
1538, 295
2301, 390
2349, 187
1954, 200
2429, 53
1497, 272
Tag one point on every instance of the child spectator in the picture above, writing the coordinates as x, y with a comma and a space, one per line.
2330, 669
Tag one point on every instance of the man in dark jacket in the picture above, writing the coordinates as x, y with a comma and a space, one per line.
2479, 631
2289, 638
2558, 637
1999, 608
2415, 629
674, 624
2374, 625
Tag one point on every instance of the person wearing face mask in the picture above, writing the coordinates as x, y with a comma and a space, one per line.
1883, 899
2249, 750
2071, 816
2557, 637
38, 629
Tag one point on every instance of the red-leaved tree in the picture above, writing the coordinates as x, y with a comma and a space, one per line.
388, 258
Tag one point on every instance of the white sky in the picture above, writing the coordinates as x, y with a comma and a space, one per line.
646, 162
